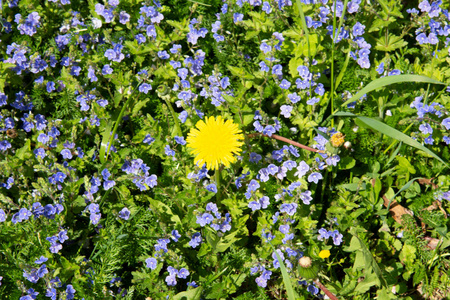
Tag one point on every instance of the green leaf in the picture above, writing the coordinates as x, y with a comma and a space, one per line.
353, 187
24, 153
346, 163
106, 136
404, 165
193, 294
384, 81
392, 43
390, 132
251, 34
354, 245
240, 72
165, 211
370, 280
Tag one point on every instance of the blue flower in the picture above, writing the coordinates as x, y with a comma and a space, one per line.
124, 18
260, 281
151, 180
286, 110
358, 29
148, 139
168, 151
285, 84
422, 39
175, 49
237, 17
253, 185
212, 188
266, 7
269, 130
51, 293
108, 184
314, 177
66, 154
124, 213
264, 67
95, 218
70, 291
163, 54
144, 88
289, 208
180, 140
183, 273
175, 235
277, 70
253, 205
195, 240
105, 173
446, 123
151, 263
171, 280
265, 48
140, 38
426, 128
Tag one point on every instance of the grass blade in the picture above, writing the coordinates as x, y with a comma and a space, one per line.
406, 186
390, 132
286, 278
105, 140
384, 81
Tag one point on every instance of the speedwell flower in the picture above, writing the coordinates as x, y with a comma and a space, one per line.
214, 142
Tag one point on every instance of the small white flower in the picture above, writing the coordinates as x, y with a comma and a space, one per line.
96, 23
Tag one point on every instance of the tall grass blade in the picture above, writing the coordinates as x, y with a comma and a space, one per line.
105, 139
385, 81
286, 278
390, 132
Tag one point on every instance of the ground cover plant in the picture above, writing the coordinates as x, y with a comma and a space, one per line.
277, 149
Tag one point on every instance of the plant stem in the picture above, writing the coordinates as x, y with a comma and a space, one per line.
174, 117
325, 290
286, 140
219, 189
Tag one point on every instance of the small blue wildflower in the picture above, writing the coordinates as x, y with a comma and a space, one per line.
144, 88
195, 240
168, 151
265, 48
212, 188
289, 208
151, 263
180, 140
314, 177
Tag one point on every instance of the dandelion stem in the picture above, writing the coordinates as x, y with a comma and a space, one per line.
286, 140
219, 189
325, 290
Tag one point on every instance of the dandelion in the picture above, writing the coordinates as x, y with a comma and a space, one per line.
214, 142
337, 139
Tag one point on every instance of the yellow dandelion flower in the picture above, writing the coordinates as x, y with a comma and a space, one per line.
324, 254
215, 142
337, 139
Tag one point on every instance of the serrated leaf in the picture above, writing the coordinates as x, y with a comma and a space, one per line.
392, 43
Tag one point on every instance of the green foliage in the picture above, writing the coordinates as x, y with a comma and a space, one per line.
115, 178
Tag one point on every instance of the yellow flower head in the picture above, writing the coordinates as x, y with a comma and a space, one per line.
337, 139
214, 142
324, 254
